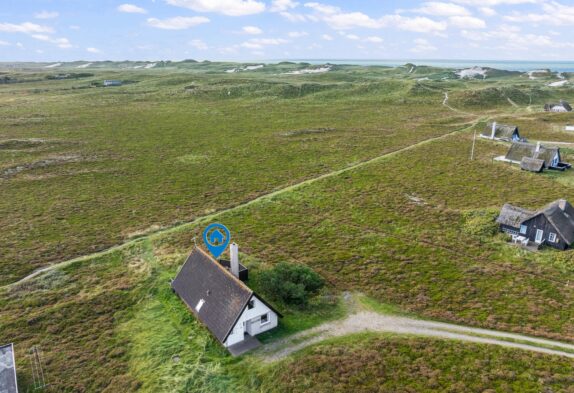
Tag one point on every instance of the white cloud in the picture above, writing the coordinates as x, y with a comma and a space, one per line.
353, 37
422, 45
488, 11
490, 3
327, 37
553, 13
26, 27
4, 43
63, 43
46, 15
225, 7
253, 30
93, 50
417, 24
293, 17
442, 9
178, 22
199, 44
259, 43
374, 39
339, 20
131, 9
511, 38
467, 22
297, 34
282, 5
74, 27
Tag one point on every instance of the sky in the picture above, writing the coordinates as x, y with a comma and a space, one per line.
249, 30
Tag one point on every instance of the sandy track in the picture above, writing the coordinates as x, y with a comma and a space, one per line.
368, 321
212, 216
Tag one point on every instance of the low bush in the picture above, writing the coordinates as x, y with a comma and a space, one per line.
291, 283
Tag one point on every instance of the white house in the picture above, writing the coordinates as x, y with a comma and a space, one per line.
108, 83
563, 106
220, 300
569, 127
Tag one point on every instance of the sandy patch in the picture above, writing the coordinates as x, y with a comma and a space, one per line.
472, 73
318, 70
53, 65
558, 84
84, 65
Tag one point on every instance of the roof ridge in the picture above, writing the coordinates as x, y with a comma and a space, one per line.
241, 283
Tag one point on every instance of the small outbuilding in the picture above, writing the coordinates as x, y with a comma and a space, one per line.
562, 106
532, 164
220, 300
501, 132
553, 225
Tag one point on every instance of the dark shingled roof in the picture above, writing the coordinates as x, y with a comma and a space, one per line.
501, 131
513, 216
560, 213
225, 296
519, 150
532, 164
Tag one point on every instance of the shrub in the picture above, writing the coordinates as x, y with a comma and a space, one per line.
291, 283
481, 222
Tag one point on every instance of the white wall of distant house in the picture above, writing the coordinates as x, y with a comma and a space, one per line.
254, 315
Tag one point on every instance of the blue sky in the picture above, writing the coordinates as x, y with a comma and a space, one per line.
65, 30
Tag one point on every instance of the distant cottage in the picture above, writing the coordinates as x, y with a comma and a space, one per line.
501, 132
108, 83
215, 294
553, 225
535, 157
563, 106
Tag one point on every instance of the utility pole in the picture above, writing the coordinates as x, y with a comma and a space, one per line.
473, 142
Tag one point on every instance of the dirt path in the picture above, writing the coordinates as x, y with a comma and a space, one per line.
369, 321
215, 215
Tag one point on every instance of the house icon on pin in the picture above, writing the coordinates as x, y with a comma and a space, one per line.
216, 237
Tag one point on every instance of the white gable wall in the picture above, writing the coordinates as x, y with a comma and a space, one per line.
250, 322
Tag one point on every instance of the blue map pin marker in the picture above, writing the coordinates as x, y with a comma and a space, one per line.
216, 238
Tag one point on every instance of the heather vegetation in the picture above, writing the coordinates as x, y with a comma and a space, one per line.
150, 163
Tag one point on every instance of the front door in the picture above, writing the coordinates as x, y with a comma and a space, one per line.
539, 234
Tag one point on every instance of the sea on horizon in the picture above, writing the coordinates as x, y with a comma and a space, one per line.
509, 65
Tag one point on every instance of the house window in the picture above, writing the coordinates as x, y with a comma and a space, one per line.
552, 237
265, 319
251, 304
523, 229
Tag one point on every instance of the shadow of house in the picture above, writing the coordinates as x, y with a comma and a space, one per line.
553, 225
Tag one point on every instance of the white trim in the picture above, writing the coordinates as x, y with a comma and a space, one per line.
268, 319
552, 237
539, 236
523, 232
199, 305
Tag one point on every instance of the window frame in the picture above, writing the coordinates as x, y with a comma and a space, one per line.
552, 237
525, 229
266, 315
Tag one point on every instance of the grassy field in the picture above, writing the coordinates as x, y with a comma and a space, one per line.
91, 167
